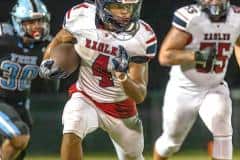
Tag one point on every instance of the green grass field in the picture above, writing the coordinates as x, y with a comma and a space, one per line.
189, 155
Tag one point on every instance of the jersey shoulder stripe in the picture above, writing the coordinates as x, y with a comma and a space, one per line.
177, 21
150, 39
151, 50
151, 46
6, 29
183, 16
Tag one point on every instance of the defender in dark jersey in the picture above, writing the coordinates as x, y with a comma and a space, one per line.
21, 44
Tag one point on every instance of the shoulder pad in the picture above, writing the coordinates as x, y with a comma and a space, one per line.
148, 43
233, 14
6, 29
150, 39
75, 12
235, 9
183, 16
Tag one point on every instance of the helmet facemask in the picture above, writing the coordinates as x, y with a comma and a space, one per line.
119, 16
36, 29
216, 12
25, 14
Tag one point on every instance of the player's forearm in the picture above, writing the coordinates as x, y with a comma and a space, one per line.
136, 91
237, 54
63, 36
51, 45
176, 57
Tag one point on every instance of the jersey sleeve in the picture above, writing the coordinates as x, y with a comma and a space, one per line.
7, 38
6, 29
183, 17
73, 15
148, 41
235, 12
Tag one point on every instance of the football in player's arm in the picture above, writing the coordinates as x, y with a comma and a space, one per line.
112, 57
65, 61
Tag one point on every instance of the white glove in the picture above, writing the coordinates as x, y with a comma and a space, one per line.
120, 62
49, 70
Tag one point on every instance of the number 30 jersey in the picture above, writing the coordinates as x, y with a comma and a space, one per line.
205, 33
97, 47
18, 64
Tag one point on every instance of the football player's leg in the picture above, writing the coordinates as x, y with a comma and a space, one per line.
12, 147
79, 119
127, 137
179, 114
27, 118
216, 112
16, 131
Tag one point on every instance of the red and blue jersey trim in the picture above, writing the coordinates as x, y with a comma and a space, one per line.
151, 45
179, 21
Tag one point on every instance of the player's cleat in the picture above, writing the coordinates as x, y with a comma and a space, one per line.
210, 148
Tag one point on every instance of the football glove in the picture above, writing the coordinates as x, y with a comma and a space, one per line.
206, 58
120, 62
49, 70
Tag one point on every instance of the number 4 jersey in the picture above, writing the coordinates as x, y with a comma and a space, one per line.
205, 33
97, 47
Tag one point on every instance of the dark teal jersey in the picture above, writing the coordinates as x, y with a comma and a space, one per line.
19, 64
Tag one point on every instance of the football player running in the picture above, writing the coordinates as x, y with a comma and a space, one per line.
198, 47
21, 44
114, 47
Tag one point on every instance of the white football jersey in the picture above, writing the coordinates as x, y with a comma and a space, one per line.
205, 33
97, 47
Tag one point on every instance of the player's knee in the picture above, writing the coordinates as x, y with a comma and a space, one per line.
166, 147
133, 156
23, 127
222, 126
71, 139
222, 147
20, 142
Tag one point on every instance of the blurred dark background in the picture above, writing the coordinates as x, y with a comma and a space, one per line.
47, 108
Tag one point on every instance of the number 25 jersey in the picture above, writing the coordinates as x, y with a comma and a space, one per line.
205, 33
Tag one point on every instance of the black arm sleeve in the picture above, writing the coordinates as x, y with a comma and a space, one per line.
139, 59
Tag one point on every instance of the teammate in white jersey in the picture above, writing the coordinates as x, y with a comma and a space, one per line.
114, 47
198, 47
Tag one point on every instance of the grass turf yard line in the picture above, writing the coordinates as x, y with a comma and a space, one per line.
184, 155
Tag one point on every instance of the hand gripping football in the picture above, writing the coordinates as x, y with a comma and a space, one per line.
65, 57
